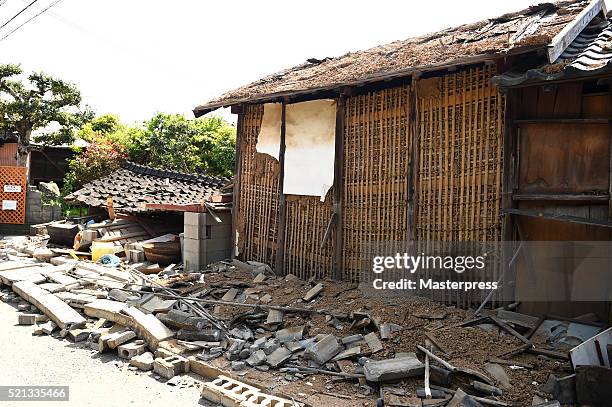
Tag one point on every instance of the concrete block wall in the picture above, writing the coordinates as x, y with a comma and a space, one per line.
205, 240
36, 211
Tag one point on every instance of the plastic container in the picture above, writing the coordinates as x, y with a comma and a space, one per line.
99, 249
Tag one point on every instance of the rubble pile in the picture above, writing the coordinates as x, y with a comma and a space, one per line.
278, 339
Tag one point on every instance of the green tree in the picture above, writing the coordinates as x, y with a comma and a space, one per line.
38, 102
198, 145
101, 158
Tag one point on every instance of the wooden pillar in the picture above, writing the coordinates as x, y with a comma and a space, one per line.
339, 186
239, 110
510, 169
412, 126
282, 203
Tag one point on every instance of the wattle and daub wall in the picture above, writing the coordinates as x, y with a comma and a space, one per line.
445, 132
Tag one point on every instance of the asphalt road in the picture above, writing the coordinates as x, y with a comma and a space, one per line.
93, 379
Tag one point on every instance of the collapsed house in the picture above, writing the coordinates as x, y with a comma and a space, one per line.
426, 139
493, 131
149, 206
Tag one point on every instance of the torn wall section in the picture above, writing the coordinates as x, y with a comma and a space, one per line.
310, 143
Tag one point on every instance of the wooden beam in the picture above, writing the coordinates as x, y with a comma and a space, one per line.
561, 121
561, 197
562, 218
236, 188
569, 33
339, 186
282, 199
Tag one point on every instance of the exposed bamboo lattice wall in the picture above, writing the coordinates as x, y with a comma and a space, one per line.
460, 159
376, 162
457, 186
259, 189
460, 167
307, 220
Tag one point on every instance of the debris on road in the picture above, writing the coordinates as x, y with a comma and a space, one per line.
316, 342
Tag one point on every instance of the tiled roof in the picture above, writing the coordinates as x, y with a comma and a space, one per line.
134, 185
522, 31
589, 54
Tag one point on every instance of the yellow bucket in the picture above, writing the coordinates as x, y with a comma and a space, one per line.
99, 249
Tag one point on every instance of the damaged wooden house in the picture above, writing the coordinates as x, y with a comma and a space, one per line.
481, 132
144, 203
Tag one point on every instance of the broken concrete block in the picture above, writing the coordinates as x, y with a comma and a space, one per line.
393, 369
291, 334
238, 365
131, 349
347, 340
498, 373
149, 327
278, 357
257, 358
26, 319
324, 350
270, 345
313, 292
229, 392
275, 317
206, 335
373, 342
171, 366
120, 338
259, 278
109, 310
203, 369
143, 362
181, 319
78, 335
347, 354
57, 310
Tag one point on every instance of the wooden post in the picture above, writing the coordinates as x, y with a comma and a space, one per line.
509, 178
237, 167
413, 121
510, 159
338, 185
282, 203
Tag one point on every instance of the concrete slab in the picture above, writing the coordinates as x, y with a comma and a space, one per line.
57, 310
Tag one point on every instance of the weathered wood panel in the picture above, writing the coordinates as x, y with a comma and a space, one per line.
563, 158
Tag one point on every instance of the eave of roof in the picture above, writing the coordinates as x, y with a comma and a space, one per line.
535, 28
589, 55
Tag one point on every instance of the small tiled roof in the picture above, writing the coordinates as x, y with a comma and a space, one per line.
589, 54
134, 185
513, 33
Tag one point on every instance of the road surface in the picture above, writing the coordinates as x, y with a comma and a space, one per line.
94, 379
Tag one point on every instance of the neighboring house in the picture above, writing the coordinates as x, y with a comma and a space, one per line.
137, 188
414, 141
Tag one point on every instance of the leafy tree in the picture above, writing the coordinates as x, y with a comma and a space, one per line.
199, 145
38, 103
101, 158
